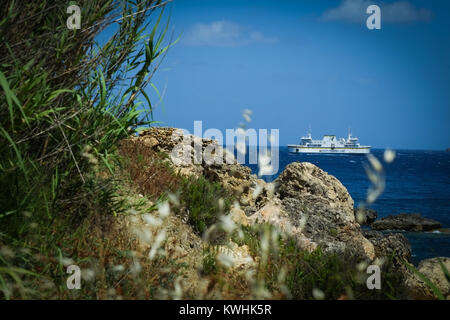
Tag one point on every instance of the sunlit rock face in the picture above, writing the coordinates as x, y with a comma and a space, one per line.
306, 181
310, 194
432, 269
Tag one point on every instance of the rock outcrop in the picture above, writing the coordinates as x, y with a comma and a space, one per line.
250, 191
311, 183
304, 200
312, 196
365, 216
406, 221
239, 180
431, 269
156, 138
389, 246
274, 214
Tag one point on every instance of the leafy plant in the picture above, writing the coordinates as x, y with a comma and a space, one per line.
201, 199
209, 263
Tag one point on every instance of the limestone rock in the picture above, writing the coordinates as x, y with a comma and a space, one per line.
274, 214
234, 256
238, 216
365, 216
433, 271
406, 221
391, 245
311, 182
311, 196
159, 139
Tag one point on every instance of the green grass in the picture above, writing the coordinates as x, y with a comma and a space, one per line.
97, 242
337, 276
209, 262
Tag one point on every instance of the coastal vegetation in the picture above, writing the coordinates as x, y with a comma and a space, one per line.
66, 101
80, 187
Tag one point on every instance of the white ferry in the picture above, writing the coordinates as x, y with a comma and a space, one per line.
329, 144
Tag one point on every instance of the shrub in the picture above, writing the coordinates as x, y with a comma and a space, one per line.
201, 198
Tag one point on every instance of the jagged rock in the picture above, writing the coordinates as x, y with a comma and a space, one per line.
307, 203
165, 139
312, 183
310, 194
150, 141
274, 214
431, 269
393, 246
251, 192
234, 177
159, 139
190, 170
365, 216
406, 221
238, 216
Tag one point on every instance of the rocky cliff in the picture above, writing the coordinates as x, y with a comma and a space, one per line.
304, 201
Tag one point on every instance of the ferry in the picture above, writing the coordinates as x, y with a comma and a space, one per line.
329, 145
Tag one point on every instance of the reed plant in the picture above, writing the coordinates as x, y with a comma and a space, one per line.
66, 98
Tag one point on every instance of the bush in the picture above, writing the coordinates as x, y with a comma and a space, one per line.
201, 198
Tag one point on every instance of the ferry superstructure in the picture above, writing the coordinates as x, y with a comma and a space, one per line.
328, 145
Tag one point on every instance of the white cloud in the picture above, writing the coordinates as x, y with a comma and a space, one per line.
403, 11
223, 34
355, 11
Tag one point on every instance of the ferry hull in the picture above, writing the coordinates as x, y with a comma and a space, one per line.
324, 150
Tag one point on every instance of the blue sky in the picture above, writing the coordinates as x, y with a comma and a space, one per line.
297, 64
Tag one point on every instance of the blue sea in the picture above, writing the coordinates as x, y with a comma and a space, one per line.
416, 182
